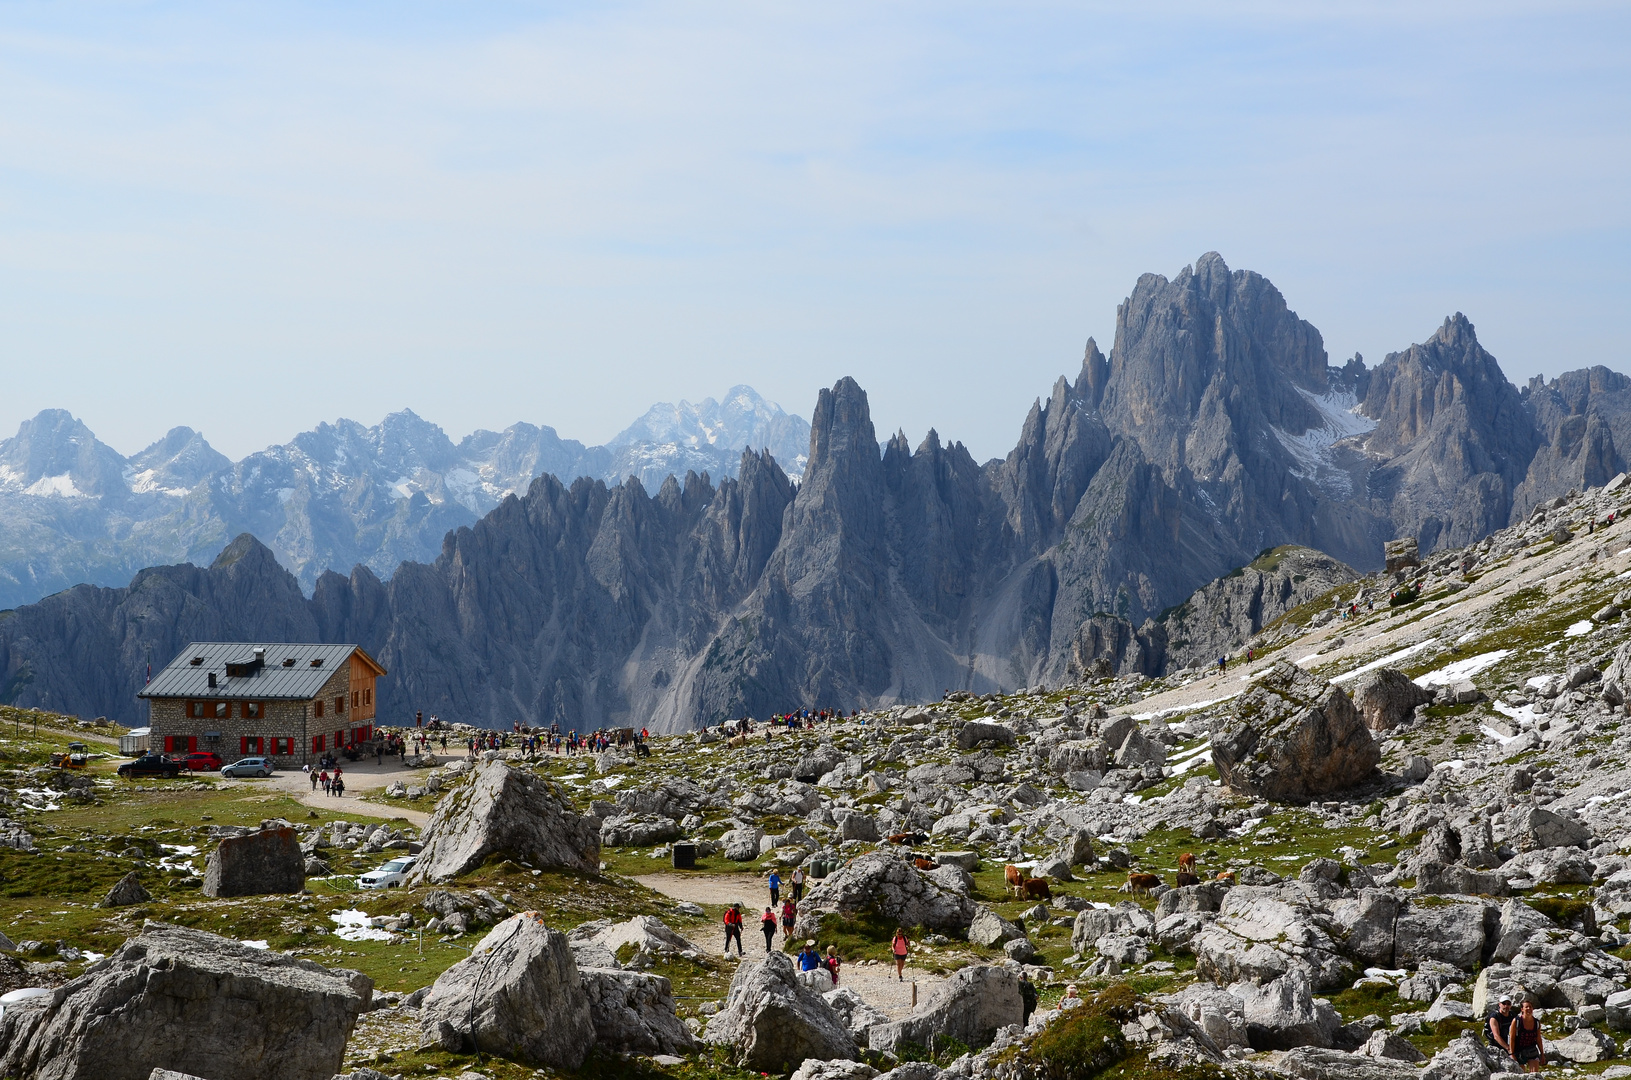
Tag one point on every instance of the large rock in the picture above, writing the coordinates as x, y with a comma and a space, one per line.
854, 1011
190, 1001
1386, 698
771, 1021
969, 1006
1532, 828
984, 733
126, 891
1264, 932
638, 830
889, 887
1464, 1059
741, 845
1283, 1013
633, 1013
1453, 932
989, 928
1293, 738
517, 995
513, 812
1139, 749
1320, 1063
268, 860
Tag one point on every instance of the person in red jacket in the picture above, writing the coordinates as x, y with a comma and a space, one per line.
733, 929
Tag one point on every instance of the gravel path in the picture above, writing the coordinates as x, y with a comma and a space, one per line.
360, 776
876, 983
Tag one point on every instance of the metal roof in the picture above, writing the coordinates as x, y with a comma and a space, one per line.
276, 680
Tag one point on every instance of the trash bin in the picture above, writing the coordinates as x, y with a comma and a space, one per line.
685, 856
818, 869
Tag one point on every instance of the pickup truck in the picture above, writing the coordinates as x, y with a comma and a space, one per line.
151, 765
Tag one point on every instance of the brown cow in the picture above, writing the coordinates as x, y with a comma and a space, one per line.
1036, 889
1015, 879
1226, 875
1187, 879
907, 838
923, 864
1186, 863
1141, 883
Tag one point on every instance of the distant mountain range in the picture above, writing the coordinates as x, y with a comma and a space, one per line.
73, 510
1215, 429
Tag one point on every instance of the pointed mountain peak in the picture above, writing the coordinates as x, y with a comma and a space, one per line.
842, 425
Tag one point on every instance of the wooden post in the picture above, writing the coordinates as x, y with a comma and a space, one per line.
914, 993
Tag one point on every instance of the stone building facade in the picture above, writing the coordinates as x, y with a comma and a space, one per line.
292, 703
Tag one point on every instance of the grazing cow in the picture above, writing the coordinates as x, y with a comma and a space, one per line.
923, 864
1036, 889
737, 742
1187, 879
1226, 875
907, 838
1015, 879
1186, 863
1141, 883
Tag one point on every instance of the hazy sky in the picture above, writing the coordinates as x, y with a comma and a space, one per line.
250, 218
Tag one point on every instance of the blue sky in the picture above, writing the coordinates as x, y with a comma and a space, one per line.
249, 218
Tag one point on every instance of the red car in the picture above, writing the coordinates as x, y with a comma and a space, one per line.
201, 761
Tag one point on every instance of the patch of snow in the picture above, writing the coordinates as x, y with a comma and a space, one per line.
1390, 658
1463, 669
1311, 452
39, 798
252, 944
93, 957
352, 925
61, 487
402, 486
1579, 629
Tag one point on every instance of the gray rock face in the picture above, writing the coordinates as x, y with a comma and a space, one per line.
1533, 828
518, 995
771, 1020
856, 1014
1219, 618
1386, 698
970, 1005
194, 1002
633, 1013
1282, 1014
127, 891
268, 860
989, 928
1292, 738
637, 830
982, 733
892, 888
510, 811
588, 604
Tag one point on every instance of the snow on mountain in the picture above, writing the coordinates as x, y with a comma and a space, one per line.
74, 510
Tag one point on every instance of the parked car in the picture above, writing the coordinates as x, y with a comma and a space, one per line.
389, 876
249, 766
202, 761
151, 765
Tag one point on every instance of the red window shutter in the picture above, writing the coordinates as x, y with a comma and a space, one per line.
169, 743
192, 743
243, 745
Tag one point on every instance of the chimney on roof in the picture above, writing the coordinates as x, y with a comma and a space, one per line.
260, 654
212, 680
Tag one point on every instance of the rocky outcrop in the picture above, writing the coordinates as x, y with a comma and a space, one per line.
193, 1002
969, 1006
1387, 698
772, 1022
509, 811
633, 1013
518, 995
889, 887
1220, 618
267, 860
1292, 738
126, 891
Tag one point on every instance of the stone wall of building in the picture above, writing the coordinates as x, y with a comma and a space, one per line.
292, 720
